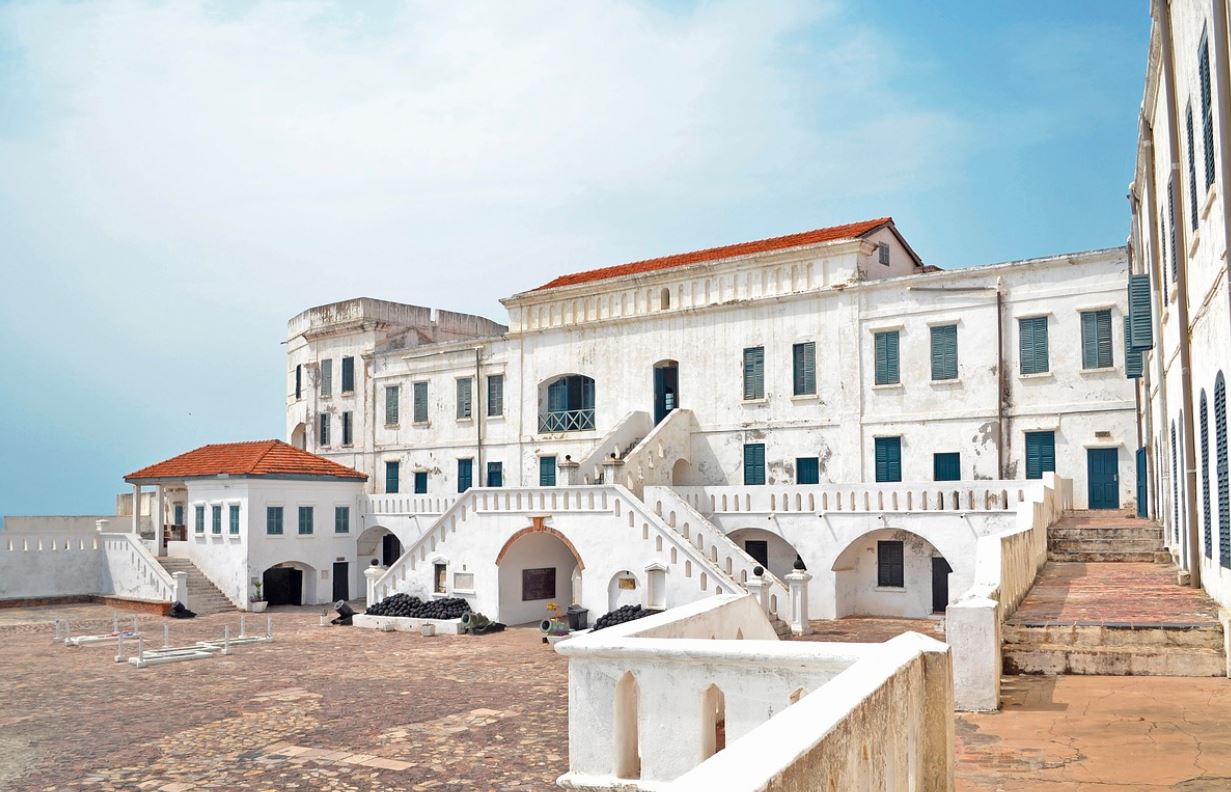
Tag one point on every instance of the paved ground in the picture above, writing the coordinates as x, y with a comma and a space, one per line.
332, 708
1100, 734
1111, 591
871, 629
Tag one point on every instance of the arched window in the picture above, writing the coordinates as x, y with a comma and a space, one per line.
1220, 454
664, 299
569, 404
1206, 531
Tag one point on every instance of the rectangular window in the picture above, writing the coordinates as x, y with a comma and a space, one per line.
273, 520
298, 382
886, 354
1175, 245
215, 520
807, 470
392, 402
341, 519
882, 252
327, 377
495, 395
391, 477
1162, 239
179, 514
754, 463
200, 519
463, 397
1032, 345
944, 352
233, 527
440, 577
547, 471
754, 373
890, 572
888, 458
1207, 107
1040, 454
323, 433
495, 474
1194, 210
348, 428
348, 375
420, 402
465, 474
804, 368
1096, 339
420, 482
305, 520
947, 466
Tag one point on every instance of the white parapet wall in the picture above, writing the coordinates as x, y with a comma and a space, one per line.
651, 701
114, 564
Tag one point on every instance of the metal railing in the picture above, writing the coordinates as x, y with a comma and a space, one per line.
567, 421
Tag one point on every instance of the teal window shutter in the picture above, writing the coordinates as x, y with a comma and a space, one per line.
420, 482
216, 519
1040, 454
341, 519
1133, 358
888, 458
348, 375
324, 430
1175, 245
1162, 245
392, 469
1032, 345
327, 377
495, 395
807, 470
420, 402
804, 364
754, 373
273, 520
1141, 326
463, 398
947, 466
1192, 168
1096, 339
754, 463
1221, 470
200, 519
944, 352
392, 394
1207, 108
305, 520
233, 519
465, 474
547, 471
1206, 522
885, 352
495, 474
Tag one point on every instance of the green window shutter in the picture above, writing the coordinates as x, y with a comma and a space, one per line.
944, 352
754, 373
947, 466
1096, 339
888, 458
341, 519
1032, 344
392, 397
1221, 471
326, 377
305, 520
807, 470
495, 395
804, 365
1040, 454
216, 519
1162, 244
1206, 522
495, 474
1175, 245
754, 463
392, 469
273, 520
885, 350
547, 471
420, 402
233, 521
348, 374
463, 398
1141, 327
1207, 108
420, 482
465, 474
1192, 168
1133, 358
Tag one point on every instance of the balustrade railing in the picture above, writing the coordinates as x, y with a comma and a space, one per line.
567, 421
958, 496
392, 504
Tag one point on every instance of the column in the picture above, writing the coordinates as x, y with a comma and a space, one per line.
568, 472
136, 509
756, 586
157, 517
372, 573
797, 580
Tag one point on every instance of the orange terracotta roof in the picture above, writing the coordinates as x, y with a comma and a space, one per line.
258, 458
831, 234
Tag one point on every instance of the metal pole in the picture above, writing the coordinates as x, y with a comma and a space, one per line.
269, 626
135, 627
242, 626
119, 647
115, 623
140, 649
226, 640
166, 636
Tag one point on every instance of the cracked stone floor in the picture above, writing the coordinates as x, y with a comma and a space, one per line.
332, 708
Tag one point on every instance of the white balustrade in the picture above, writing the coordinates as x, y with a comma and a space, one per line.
951, 496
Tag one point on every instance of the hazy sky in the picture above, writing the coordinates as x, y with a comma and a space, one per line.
178, 179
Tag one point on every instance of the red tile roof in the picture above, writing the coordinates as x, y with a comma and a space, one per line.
260, 458
831, 234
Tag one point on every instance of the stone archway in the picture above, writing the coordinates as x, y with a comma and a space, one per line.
890, 572
289, 583
536, 566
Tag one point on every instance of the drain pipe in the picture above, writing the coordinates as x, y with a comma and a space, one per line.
476, 404
1181, 303
1154, 452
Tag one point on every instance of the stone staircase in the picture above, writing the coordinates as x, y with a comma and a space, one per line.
781, 627
1107, 603
204, 598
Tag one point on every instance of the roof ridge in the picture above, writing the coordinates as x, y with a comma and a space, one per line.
272, 444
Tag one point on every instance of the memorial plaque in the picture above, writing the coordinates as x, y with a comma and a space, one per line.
538, 584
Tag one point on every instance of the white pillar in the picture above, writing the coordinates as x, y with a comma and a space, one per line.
181, 588
372, 573
972, 630
756, 586
568, 472
797, 581
136, 508
158, 518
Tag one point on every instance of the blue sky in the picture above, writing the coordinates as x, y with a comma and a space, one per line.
179, 179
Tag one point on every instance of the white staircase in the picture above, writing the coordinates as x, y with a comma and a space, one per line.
204, 598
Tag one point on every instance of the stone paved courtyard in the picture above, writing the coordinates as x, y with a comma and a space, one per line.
332, 708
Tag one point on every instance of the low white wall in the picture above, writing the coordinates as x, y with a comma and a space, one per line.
132, 572
40, 565
70, 524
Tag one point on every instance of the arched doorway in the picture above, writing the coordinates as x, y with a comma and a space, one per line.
666, 388
536, 566
379, 543
891, 572
289, 583
566, 404
299, 437
769, 549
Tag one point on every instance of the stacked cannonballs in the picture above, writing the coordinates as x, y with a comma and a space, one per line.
406, 606
624, 613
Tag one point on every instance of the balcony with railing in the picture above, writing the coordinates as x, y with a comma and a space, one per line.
566, 421
566, 404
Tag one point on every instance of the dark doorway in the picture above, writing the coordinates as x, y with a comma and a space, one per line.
759, 550
390, 549
1102, 473
666, 389
282, 586
1143, 507
341, 580
940, 584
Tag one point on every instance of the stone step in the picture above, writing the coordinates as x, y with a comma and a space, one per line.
1151, 532
1139, 557
1058, 659
1111, 634
1102, 545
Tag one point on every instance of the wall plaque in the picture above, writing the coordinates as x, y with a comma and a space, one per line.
538, 584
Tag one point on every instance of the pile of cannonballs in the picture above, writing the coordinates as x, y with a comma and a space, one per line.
624, 613
406, 606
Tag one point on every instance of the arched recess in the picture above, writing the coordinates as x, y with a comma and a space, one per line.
536, 566
289, 583
299, 436
566, 404
377, 542
624, 589
625, 728
891, 572
713, 721
769, 549
681, 473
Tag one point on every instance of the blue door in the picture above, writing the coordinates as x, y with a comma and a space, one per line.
666, 390
1102, 475
1143, 506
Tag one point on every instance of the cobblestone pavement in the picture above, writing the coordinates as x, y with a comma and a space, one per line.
1114, 591
1099, 734
870, 629
319, 708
